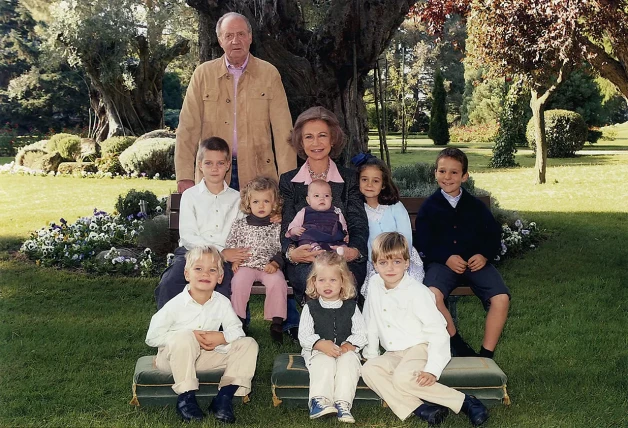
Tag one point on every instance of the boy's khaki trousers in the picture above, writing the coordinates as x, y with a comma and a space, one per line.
183, 357
393, 376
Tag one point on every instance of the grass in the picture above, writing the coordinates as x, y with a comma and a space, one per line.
30, 203
69, 341
423, 150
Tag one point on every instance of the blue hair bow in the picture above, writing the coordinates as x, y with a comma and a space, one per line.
361, 158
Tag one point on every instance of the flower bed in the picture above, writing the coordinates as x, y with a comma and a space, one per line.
76, 245
518, 238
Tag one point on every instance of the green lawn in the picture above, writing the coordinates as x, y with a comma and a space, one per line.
68, 341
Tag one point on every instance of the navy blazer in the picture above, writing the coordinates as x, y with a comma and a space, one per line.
442, 231
345, 196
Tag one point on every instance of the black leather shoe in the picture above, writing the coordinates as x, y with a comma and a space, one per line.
222, 408
431, 413
475, 410
188, 408
293, 333
276, 333
460, 348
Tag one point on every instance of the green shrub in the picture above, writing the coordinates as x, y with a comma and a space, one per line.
594, 136
109, 163
565, 132
8, 138
512, 129
418, 181
27, 154
72, 167
157, 133
439, 129
171, 118
89, 150
54, 140
116, 145
29, 158
69, 148
150, 157
49, 162
156, 236
129, 204
484, 133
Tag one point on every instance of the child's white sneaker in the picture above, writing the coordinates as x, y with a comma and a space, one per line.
319, 407
344, 412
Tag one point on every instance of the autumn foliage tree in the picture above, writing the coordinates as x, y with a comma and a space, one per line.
541, 40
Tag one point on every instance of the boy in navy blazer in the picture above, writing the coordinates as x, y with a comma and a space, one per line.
457, 237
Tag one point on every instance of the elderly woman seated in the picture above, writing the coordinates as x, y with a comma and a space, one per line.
318, 138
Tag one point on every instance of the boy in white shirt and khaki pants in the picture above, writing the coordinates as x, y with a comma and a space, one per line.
401, 314
186, 331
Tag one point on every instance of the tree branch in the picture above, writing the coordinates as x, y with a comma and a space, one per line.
608, 66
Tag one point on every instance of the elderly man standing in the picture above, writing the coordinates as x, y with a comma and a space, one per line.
241, 99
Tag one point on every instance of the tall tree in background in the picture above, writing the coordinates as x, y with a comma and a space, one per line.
439, 129
512, 128
124, 47
36, 91
323, 49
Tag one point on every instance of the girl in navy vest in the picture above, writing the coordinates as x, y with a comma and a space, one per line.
331, 332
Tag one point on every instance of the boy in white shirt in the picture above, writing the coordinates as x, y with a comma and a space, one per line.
186, 332
401, 314
207, 212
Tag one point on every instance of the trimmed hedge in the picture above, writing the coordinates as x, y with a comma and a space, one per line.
150, 157
54, 140
49, 162
27, 154
157, 133
69, 148
71, 167
109, 163
565, 131
116, 145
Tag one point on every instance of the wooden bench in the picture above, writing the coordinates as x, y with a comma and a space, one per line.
412, 205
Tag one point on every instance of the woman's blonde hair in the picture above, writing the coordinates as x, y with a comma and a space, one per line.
326, 260
389, 245
260, 184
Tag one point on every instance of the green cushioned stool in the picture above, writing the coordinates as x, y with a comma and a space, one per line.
290, 383
474, 376
152, 387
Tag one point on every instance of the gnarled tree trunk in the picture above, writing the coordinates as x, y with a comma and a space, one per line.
325, 66
120, 111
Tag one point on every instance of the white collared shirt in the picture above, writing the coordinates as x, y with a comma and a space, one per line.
205, 219
183, 313
403, 317
453, 200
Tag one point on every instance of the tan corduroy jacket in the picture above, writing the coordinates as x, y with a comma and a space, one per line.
263, 120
